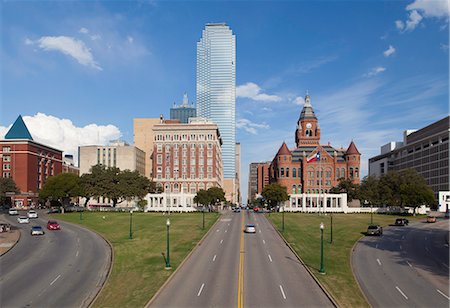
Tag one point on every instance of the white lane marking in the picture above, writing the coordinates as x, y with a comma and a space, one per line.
55, 280
409, 264
400, 247
259, 231
264, 241
226, 231
376, 246
401, 292
77, 254
270, 258
217, 230
214, 259
228, 224
282, 292
201, 289
379, 262
221, 241
439, 291
78, 240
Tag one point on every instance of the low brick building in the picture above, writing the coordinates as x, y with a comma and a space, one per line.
311, 167
27, 162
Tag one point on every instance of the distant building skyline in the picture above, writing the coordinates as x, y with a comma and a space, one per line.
183, 111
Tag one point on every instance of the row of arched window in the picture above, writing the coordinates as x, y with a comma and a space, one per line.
285, 172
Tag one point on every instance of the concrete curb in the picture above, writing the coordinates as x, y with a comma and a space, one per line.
181, 265
111, 261
333, 301
353, 272
10, 248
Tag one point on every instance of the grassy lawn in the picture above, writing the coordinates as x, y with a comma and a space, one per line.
303, 233
138, 270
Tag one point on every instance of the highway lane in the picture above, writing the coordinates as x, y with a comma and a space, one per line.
407, 266
63, 268
272, 276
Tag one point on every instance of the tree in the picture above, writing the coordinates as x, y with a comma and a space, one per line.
202, 197
414, 190
369, 190
274, 194
389, 189
348, 187
7, 185
61, 187
216, 194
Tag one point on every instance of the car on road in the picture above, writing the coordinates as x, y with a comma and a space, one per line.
431, 219
401, 222
37, 230
32, 214
53, 210
237, 210
13, 211
23, 220
250, 228
53, 225
374, 230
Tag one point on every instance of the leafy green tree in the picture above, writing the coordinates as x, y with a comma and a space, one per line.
348, 187
274, 194
414, 190
216, 194
61, 187
369, 190
202, 197
389, 189
7, 185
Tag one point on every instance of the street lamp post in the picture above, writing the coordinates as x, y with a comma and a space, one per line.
81, 215
331, 228
371, 214
203, 214
282, 224
322, 269
168, 250
131, 224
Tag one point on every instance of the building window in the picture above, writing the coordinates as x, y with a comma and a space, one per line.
294, 188
287, 172
159, 159
6, 174
281, 172
294, 172
114, 157
351, 172
159, 148
338, 174
6, 149
356, 173
6, 166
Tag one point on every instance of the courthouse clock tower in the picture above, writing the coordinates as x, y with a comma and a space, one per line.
308, 130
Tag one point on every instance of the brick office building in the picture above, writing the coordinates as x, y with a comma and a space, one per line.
27, 162
291, 168
257, 179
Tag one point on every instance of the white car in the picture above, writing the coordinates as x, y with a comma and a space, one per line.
23, 220
250, 228
13, 211
32, 214
37, 230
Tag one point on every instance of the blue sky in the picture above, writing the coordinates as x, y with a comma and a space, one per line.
81, 71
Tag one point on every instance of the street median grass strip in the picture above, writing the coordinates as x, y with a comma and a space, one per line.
138, 269
303, 233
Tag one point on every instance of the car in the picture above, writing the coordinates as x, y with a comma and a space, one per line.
374, 230
431, 219
23, 220
37, 230
53, 210
53, 225
13, 211
250, 228
32, 214
401, 222
237, 210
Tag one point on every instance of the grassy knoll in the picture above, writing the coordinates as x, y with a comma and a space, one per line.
138, 269
303, 233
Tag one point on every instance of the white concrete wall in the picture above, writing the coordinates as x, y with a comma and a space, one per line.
173, 202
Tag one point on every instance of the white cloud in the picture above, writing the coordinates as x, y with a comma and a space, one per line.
375, 71
249, 126
267, 109
389, 52
62, 134
253, 91
444, 47
28, 41
299, 100
400, 25
68, 46
414, 19
95, 37
83, 30
429, 8
130, 39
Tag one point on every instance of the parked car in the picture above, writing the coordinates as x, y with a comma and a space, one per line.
401, 222
53, 225
13, 211
54, 210
374, 230
37, 230
431, 219
32, 214
23, 220
249, 228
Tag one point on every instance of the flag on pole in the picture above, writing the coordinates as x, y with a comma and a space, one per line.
314, 158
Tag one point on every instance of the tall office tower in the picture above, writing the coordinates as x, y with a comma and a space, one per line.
216, 93
184, 111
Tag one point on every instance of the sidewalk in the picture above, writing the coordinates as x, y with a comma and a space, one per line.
8, 240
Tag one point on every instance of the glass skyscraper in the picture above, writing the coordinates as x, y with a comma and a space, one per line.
216, 87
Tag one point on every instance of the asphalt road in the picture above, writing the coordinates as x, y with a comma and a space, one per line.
407, 266
232, 269
64, 268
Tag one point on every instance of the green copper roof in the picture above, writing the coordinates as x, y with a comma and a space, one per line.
19, 130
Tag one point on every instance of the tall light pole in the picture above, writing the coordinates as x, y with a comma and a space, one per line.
331, 228
371, 214
282, 224
168, 250
203, 212
322, 269
81, 215
131, 224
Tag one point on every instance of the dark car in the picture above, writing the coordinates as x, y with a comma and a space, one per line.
374, 230
53, 225
401, 222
